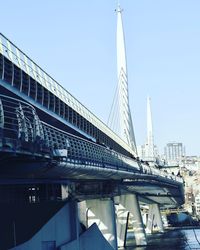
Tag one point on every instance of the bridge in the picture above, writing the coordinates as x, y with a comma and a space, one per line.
53, 147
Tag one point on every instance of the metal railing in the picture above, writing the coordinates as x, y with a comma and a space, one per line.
21, 129
21, 60
147, 169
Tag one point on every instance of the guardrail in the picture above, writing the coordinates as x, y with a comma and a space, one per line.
147, 169
21, 60
22, 130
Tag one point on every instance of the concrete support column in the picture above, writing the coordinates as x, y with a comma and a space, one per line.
102, 212
165, 221
122, 222
154, 219
129, 203
64, 192
145, 218
150, 221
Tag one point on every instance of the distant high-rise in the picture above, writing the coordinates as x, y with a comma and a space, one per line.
174, 152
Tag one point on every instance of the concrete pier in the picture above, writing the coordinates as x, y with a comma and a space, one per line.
102, 212
130, 203
154, 219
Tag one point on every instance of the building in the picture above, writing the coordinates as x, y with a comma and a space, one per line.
174, 152
191, 162
197, 204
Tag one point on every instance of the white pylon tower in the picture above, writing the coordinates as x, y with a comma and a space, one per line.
120, 113
149, 147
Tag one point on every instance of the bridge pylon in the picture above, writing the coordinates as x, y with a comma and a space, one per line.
120, 118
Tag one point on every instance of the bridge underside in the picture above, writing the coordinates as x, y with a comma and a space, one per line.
166, 194
24, 163
87, 178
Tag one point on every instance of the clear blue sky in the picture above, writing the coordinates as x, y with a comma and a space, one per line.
74, 41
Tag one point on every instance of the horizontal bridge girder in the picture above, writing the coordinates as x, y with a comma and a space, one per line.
159, 195
152, 181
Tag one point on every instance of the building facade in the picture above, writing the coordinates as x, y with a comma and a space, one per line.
174, 152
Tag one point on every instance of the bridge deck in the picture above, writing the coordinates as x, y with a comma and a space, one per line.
46, 133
